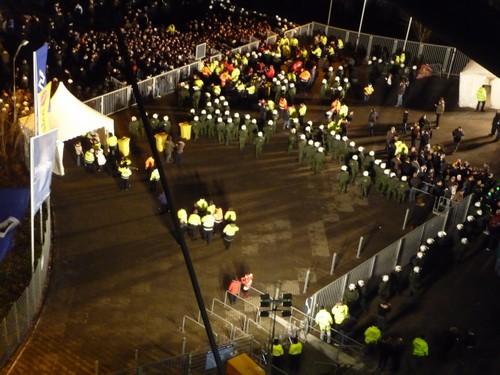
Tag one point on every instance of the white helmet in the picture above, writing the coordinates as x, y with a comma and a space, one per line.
217, 111
324, 81
430, 241
423, 248
341, 67
209, 104
317, 144
416, 269
155, 115
398, 268
225, 104
470, 218
339, 88
308, 129
229, 120
295, 120
321, 149
344, 168
227, 113
464, 241
479, 212
302, 136
165, 118
270, 122
196, 118
338, 137
192, 110
209, 116
247, 116
460, 226
441, 233
344, 138
377, 161
355, 157
292, 84
385, 278
337, 78
133, 118
387, 172
237, 115
361, 148
379, 61
260, 134
371, 153
346, 79
404, 178
392, 174
332, 132
477, 204
330, 69
366, 174
243, 127
420, 255
222, 98
216, 100
361, 283
352, 286
309, 123
414, 67
203, 112
293, 131
321, 127
383, 165
254, 121
310, 142
219, 119
352, 144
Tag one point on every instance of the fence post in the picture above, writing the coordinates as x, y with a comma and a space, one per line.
372, 266
420, 49
451, 62
398, 251
360, 245
334, 260
101, 105
306, 281
406, 218
394, 46
369, 47
446, 58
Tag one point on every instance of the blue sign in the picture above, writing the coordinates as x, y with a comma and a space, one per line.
40, 68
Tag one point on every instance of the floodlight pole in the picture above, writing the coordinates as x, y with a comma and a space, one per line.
329, 13
166, 189
360, 23
407, 33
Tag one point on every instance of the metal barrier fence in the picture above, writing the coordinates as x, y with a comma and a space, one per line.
16, 325
399, 252
448, 60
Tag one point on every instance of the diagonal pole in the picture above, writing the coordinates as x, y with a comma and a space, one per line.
164, 183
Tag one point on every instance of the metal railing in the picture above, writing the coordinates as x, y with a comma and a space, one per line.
449, 61
399, 252
20, 318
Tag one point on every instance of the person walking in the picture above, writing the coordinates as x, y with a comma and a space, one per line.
481, 96
194, 223
277, 354
372, 120
457, 134
208, 223
229, 232
295, 354
78, 153
440, 108
324, 320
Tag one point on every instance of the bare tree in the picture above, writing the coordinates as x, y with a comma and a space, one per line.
421, 32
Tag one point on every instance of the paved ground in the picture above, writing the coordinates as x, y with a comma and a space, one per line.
119, 282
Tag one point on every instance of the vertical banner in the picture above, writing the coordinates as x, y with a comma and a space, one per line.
43, 103
42, 154
39, 80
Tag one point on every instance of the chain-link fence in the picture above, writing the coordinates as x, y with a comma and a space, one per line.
16, 325
399, 252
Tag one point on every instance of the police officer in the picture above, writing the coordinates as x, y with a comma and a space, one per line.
319, 160
182, 216
229, 232
351, 296
243, 135
420, 350
340, 313
277, 353
295, 354
372, 335
259, 144
397, 281
415, 281
230, 216
365, 183
343, 179
324, 320
292, 139
208, 222
194, 223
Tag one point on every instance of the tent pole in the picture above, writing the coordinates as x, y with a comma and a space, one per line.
360, 23
407, 33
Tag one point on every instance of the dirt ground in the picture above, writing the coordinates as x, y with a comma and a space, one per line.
118, 281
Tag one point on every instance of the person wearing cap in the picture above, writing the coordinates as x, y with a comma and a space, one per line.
369, 160
134, 127
415, 281
243, 136
302, 142
228, 131
402, 189
292, 139
351, 296
319, 160
259, 144
354, 167
195, 127
211, 127
343, 179
365, 183
384, 288
397, 281
309, 151
220, 126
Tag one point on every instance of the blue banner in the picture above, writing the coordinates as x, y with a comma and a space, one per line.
40, 67
42, 156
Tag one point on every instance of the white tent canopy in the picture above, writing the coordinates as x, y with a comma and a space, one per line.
471, 79
71, 118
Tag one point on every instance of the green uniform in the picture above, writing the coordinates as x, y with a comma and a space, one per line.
220, 131
309, 151
259, 144
133, 128
392, 188
318, 162
401, 189
243, 136
211, 127
292, 141
354, 167
195, 126
301, 144
268, 131
343, 179
228, 132
364, 185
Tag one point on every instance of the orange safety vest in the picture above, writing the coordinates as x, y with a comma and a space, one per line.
206, 71
283, 103
224, 76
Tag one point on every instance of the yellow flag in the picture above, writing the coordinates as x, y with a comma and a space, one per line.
44, 101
